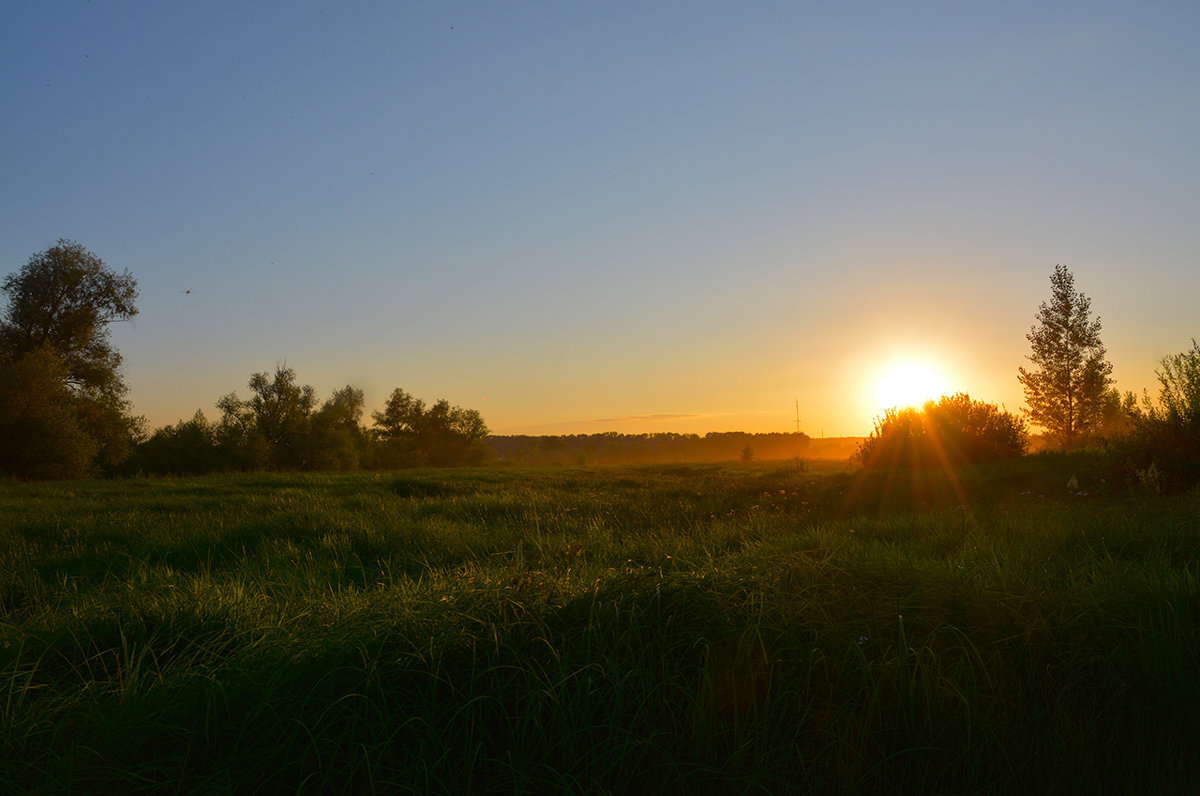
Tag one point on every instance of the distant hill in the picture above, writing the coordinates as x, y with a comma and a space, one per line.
662, 448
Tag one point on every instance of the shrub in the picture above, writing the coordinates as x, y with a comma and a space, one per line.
1180, 389
952, 431
1166, 439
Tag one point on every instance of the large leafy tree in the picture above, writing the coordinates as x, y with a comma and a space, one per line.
1066, 391
56, 325
64, 299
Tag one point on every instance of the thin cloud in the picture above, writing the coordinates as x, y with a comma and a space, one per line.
644, 418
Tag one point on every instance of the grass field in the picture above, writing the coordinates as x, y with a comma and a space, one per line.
702, 629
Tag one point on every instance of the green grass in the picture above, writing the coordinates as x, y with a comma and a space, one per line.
740, 629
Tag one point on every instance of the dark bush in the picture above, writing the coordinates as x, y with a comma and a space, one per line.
186, 448
952, 431
1163, 452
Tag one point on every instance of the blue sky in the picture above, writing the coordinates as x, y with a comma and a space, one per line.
582, 217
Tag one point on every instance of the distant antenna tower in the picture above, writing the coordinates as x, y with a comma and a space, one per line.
797, 415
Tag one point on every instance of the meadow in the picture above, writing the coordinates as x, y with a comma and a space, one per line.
742, 628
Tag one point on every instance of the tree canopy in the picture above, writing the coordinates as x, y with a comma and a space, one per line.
64, 299
63, 409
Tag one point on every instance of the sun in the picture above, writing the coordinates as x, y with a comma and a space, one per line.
909, 382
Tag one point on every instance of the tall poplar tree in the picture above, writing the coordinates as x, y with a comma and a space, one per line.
1065, 391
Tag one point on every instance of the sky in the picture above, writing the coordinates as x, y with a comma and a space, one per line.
580, 217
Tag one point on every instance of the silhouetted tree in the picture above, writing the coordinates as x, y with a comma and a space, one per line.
60, 304
397, 428
411, 435
271, 427
1066, 392
282, 411
240, 445
337, 438
452, 435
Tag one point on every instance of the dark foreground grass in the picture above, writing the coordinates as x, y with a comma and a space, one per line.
665, 630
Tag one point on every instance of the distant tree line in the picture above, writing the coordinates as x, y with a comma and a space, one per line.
280, 426
613, 448
64, 411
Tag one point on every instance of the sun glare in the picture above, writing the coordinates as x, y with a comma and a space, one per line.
909, 383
